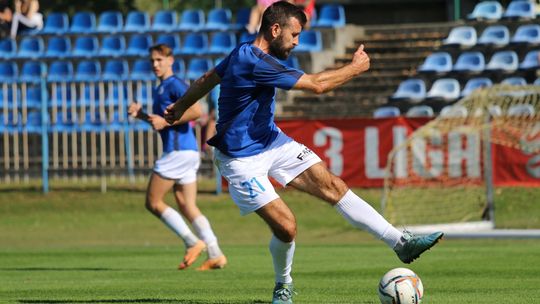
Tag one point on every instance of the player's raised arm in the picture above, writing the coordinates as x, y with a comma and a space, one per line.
328, 80
196, 91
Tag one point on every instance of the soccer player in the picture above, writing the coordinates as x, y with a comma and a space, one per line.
177, 167
250, 147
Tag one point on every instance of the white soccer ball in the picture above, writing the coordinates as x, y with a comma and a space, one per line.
400, 285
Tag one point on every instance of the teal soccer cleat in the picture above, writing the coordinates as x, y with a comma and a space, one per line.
283, 293
413, 246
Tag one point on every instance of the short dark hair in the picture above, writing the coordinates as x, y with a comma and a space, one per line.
280, 12
161, 48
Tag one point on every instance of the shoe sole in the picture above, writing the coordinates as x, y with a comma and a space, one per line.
432, 244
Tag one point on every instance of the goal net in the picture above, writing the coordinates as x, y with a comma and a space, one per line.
443, 173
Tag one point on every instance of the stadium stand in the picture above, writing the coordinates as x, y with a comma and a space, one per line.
172, 40
309, 41
138, 45
222, 43
527, 34
495, 36
439, 62
388, 111
412, 90
112, 46
31, 71
56, 24
197, 67
461, 36
331, 15
521, 110
58, 47
110, 22
191, 20
453, 111
515, 80
195, 43
446, 89
531, 61
60, 71
520, 9
9, 71
470, 62
115, 70
85, 46
142, 70
242, 19
164, 21
475, 83
8, 48
138, 22
88, 70
487, 10
83, 23
503, 61
420, 111
31, 47
219, 19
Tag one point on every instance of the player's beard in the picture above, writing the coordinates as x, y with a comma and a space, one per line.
278, 49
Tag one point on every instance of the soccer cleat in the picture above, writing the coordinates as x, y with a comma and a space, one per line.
215, 263
192, 253
413, 246
283, 293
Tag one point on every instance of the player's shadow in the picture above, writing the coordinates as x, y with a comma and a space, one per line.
25, 301
56, 269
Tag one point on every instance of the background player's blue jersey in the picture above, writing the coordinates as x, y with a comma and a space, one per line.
174, 138
246, 102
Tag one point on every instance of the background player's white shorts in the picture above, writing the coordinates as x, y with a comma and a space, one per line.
249, 185
180, 166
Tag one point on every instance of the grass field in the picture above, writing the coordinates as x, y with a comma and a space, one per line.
77, 245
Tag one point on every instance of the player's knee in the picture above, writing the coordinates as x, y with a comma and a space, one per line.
287, 232
335, 189
152, 205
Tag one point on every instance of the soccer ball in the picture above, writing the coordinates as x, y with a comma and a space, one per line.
400, 285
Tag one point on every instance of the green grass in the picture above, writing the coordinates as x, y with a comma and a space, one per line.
77, 245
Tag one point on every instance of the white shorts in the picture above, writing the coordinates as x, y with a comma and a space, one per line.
248, 177
180, 166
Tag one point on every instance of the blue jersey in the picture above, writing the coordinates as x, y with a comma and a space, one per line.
174, 138
246, 103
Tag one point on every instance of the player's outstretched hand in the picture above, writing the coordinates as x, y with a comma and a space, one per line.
134, 108
360, 60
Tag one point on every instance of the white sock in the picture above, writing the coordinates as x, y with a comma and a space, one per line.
204, 231
172, 219
361, 215
282, 255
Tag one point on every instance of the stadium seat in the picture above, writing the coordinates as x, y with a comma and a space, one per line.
55, 24
138, 45
31, 47
292, 62
384, 112
241, 19
470, 62
495, 36
505, 61
527, 34
446, 89
413, 90
60, 71
83, 23
475, 83
439, 62
8, 48
112, 46
309, 41
246, 37
454, 111
142, 70
531, 61
172, 40
197, 67
58, 47
420, 111
9, 72
487, 10
7, 98
331, 15
137, 21
219, 19
192, 20
461, 36
88, 70
521, 110
89, 95
32, 71
33, 97
179, 68
537, 81
115, 70
515, 80
165, 21
110, 22
10, 123
222, 43
85, 46
520, 9
33, 122
195, 43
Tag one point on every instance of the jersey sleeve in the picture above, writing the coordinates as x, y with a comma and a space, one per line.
222, 66
178, 89
269, 72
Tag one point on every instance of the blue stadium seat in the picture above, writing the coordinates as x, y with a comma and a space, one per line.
197, 67
33, 122
83, 23
138, 45
413, 90
527, 34
115, 70
60, 71
531, 61
219, 19
110, 22
172, 40
241, 19
192, 20
88, 70
179, 68
8, 99
142, 70
10, 123
537, 81
521, 110
515, 80
420, 111
246, 37
309, 41
89, 96
33, 96
85, 46
9, 72
292, 62
520, 9
470, 62
112, 46
487, 10
8, 48
454, 111
446, 89
137, 21
462, 36
58, 47
495, 36
31, 47
165, 21
32, 71
64, 122
385, 112
505, 61
55, 24
331, 15
222, 43
439, 62
195, 43
475, 83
